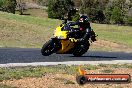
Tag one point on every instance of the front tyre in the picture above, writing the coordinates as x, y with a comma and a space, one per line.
48, 48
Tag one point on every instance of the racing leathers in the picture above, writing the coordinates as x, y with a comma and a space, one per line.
84, 30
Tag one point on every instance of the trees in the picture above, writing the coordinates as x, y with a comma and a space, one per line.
11, 5
107, 11
117, 16
59, 8
8, 6
116, 11
100, 17
41, 2
2, 2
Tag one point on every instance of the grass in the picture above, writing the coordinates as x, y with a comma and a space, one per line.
118, 34
35, 13
102, 65
25, 31
6, 86
116, 65
21, 72
66, 81
33, 32
107, 71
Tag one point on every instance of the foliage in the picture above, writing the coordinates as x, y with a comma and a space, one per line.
76, 17
116, 15
100, 17
100, 11
42, 2
129, 20
2, 3
59, 8
107, 11
8, 6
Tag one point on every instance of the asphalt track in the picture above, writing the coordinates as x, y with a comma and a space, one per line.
32, 57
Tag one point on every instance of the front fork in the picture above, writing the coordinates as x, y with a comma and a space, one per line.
57, 43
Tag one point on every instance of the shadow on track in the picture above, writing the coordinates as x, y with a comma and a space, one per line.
96, 56
30, 55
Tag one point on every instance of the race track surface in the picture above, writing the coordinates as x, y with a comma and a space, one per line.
25, 57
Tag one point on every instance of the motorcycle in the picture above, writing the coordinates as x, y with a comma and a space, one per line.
64, 42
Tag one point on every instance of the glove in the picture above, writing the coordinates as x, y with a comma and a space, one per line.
93, 39
73, 39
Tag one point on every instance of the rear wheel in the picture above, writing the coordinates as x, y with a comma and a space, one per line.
48, 48
81, 49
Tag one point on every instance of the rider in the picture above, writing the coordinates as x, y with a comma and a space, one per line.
85, 30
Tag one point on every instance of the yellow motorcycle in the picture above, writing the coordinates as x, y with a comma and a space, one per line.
64, 42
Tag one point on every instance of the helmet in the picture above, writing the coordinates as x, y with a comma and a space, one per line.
83, 19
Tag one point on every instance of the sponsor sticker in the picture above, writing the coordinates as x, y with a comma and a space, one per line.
102, 78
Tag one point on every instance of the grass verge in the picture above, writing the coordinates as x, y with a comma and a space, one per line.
21, 72
33, 32
25, 31
6, 86
114, 33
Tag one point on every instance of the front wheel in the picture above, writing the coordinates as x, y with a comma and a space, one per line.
48, 48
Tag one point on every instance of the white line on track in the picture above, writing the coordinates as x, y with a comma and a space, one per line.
65, 63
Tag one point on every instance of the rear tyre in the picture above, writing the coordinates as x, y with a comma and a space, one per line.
81, 49
48, 48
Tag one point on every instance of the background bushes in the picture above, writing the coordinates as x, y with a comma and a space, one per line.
100, 11
8, 5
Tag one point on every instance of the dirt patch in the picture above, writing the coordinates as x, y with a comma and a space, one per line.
67, 81
111, 46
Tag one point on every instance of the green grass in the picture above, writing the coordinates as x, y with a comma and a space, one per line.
107, 71
21, 72
6, 86
25, 31
118, 34
37, 13
116, 65
102, 65
66, 81
33, 32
